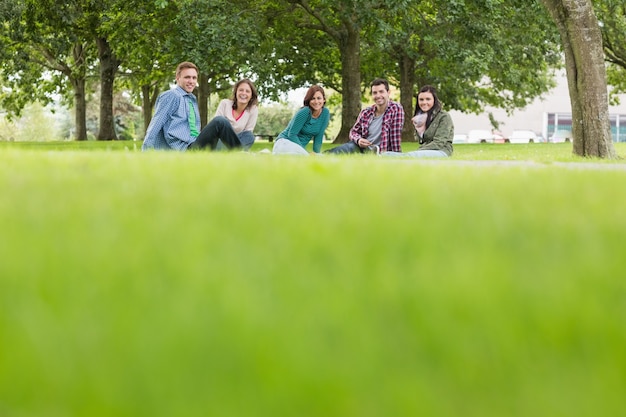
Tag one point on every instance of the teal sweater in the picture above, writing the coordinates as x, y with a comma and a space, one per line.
303, 127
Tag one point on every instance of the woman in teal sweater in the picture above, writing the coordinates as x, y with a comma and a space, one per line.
310, 122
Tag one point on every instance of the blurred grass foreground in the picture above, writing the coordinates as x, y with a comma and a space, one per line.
167, 284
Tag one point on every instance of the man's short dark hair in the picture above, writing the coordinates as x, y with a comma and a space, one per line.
380, 81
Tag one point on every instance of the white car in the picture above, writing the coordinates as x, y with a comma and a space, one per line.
480, 136
523, 136
561, 136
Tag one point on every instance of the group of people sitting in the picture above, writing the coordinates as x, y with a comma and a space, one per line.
176, 122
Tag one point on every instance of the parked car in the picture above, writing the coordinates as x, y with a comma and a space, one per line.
561, 136
498, 138
480, 136
523, 136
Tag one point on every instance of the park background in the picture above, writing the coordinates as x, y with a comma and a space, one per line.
103, 61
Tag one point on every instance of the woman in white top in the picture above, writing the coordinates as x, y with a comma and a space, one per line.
234, 120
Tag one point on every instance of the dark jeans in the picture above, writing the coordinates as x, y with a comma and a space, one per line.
218, 129
246, 138
348, 147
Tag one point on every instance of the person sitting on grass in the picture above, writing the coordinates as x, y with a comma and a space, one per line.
378, 127
433, 126
241, 111
310, 122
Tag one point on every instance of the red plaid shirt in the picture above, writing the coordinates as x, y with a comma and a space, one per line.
393, 121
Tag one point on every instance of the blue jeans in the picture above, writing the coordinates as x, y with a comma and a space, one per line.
348, 147
218, 129
246, 138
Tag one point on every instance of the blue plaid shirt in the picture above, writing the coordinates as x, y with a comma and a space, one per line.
169, 127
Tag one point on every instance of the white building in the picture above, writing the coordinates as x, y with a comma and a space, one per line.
544, 116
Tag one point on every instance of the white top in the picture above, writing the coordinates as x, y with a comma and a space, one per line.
247, 121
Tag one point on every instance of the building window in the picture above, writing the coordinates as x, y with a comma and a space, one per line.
563, 122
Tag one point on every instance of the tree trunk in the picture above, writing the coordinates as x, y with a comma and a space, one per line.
146, 107
407, 83
586, 76
108, 68
80, 108
349, 48
77, 79
203, 92
148, 99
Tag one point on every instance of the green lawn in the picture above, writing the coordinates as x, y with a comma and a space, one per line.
535, 152
233, 284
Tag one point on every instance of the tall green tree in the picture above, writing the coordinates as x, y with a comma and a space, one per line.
45, 57
586, 76
86, 21
92, 18
56, 37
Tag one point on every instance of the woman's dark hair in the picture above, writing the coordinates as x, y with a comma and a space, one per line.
311, 92
436, 103
253, 100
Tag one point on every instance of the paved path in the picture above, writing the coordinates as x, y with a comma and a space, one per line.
615, 166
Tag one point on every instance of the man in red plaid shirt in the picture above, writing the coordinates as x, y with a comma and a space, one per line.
379, 127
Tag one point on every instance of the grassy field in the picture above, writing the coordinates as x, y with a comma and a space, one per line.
533, 152
169, 284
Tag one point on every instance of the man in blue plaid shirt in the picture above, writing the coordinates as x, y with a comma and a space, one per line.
176, 120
